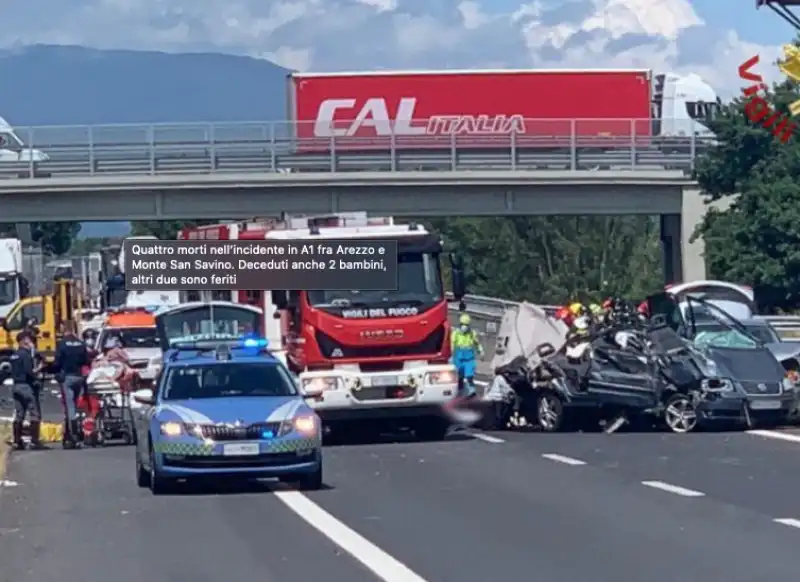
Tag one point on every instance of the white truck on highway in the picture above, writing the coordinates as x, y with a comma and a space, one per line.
14, 150
13, 284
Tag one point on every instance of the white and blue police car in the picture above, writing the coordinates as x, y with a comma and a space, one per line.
225, 410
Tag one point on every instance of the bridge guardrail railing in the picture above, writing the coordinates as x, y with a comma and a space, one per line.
487, 312
191, 148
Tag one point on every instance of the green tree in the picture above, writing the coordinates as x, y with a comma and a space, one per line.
756, 240
55, 237
554, 259
164, 229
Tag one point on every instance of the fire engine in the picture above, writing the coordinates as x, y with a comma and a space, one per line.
369, 357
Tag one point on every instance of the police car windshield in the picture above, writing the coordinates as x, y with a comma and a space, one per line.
227, 380
131, 337
418, 277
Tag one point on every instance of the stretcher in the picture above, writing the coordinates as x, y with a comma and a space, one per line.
104, 409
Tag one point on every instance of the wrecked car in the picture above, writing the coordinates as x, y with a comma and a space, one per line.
759, 376
632, 371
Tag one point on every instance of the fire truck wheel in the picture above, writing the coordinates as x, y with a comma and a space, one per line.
432, 429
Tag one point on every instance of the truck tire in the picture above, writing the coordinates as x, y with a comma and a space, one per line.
432, 429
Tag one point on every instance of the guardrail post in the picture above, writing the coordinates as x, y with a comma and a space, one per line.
273, 154
92, 159
453, 152
333, 152
31, 165
633, 143
393, 151
151, 138
212, 150
513, 149
573, 146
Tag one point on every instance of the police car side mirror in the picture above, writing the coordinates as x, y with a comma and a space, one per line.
144, 396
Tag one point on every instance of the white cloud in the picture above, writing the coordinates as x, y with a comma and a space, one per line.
666, 35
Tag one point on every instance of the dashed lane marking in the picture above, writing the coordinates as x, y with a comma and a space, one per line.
565, 460
774, 434
486, 438
669, 488
790, 521
383, 565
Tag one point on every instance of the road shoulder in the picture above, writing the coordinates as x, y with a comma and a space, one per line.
5, 435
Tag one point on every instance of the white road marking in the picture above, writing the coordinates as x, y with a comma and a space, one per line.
790, 521
481, 383
7, 483
486, 438
563, 459
383, 565
682, 491
774, 434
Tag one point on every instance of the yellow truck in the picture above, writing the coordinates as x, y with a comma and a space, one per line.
46, 313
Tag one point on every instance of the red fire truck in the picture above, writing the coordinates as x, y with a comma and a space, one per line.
374, 357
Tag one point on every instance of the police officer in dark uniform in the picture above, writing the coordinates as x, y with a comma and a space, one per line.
26, 391
72, 356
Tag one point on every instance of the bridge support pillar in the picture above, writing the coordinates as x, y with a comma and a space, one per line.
671, 239
693, 210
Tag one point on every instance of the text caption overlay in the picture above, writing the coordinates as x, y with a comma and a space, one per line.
311, 265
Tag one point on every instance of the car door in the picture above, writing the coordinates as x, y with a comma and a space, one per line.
665, 307
620, 376
142, 417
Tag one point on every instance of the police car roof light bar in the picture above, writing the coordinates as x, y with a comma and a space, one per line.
218, 346
781, 8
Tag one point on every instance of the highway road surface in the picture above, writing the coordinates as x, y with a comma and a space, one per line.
524, 507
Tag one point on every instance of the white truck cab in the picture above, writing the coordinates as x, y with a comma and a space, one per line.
682, 105
13, 149
13, 285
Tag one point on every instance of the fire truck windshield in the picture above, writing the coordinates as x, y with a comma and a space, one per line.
419, 281
205, 322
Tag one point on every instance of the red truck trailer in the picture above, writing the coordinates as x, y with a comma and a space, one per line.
541, 108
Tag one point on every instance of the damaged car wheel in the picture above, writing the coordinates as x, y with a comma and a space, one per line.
549, 412
680, 414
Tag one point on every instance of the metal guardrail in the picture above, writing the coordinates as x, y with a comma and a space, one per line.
787, 326
282, 147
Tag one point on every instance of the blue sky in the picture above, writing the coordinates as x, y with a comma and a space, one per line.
762, 26
707, 37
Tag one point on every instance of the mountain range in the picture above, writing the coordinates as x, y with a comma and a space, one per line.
73, 85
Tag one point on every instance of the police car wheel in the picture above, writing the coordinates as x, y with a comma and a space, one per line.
158, 484
142, 474
310, 481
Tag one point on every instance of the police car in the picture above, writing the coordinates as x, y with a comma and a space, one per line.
225, 409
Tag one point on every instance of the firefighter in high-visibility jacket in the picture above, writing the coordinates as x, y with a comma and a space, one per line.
466, 350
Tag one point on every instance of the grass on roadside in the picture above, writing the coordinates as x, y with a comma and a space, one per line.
5, 435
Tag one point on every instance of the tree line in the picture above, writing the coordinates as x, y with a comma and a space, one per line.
554, 259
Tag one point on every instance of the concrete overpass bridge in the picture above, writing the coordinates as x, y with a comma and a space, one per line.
242, 170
